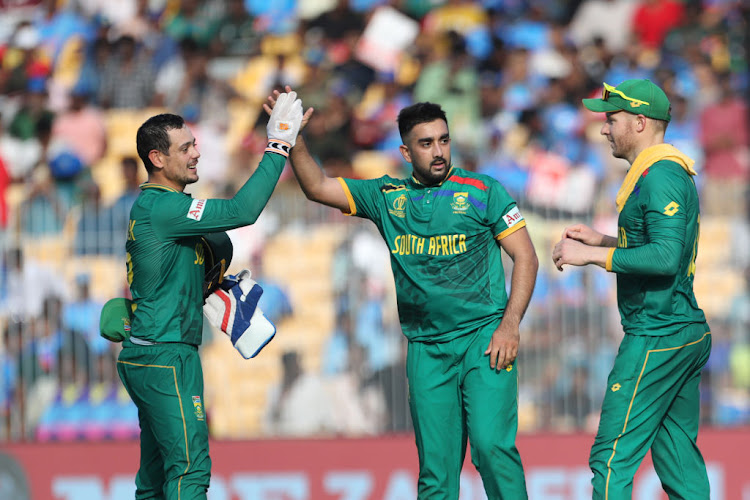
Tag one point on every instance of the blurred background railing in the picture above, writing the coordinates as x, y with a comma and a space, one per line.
78, 78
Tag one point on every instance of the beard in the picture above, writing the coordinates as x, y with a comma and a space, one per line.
428, 177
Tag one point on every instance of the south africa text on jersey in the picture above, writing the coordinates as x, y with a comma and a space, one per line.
444, 244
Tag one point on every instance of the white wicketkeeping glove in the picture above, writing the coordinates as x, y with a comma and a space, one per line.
233, 309
284, 123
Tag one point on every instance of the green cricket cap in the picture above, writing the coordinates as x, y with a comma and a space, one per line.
640, 97
115, 319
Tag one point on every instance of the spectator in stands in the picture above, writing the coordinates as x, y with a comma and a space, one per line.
51, 359
572, 405
461, 16
452, 81
171, 76
586, 27
57, 22
34, 110
275, 302
357, 402
741, 235
44, 210
128, 78
336, 25
374, 123
81, 316
141, 25
95, 231
97, 57
120, 209
299, 405
82, 127
26, 283
335, 357
22, 60
194, 20
653, 19
725, 137
10, 390
392, 380
237, 33
5, 183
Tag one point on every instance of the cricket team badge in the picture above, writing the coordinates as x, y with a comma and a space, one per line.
460, 202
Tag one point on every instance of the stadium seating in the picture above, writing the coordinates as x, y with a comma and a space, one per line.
302, 263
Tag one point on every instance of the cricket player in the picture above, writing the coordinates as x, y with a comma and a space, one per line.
159, 363
652, 399
445, 228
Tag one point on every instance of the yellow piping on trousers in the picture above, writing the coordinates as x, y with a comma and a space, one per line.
630, 407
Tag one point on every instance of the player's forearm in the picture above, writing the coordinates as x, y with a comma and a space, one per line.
309, 174
522, 282
596, 255
253, 196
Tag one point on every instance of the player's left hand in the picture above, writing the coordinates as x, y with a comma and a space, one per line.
503, 347
233, 309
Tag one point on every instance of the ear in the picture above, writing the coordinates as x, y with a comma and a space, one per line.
405, 153
640, 123
156, 158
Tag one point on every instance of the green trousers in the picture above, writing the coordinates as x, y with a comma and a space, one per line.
165, 382
653, 402
455, 395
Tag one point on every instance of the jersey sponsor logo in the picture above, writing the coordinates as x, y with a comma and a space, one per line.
671, 209
198, 407
398, 207
622, 238
460, 202
513, 217
196, 209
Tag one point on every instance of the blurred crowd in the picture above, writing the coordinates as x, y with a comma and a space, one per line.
78, 76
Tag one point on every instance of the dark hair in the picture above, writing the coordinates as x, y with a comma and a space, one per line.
421, 112
153, 135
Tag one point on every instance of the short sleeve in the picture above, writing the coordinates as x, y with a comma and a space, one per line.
503, 215
366, 196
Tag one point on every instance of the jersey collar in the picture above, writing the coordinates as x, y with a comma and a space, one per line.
154, 185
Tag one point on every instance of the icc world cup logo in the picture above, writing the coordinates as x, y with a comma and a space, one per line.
399, 204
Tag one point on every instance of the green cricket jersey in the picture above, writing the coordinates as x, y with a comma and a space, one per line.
165, 255
657, 244
446, 263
